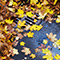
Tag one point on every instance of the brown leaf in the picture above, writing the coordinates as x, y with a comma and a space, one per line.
20, 35
26, 50
51, 37
15, 43
13, 24
1, 17
25, 34
37, 50
1, 35
42, 46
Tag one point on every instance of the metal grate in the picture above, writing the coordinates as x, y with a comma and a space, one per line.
29, 20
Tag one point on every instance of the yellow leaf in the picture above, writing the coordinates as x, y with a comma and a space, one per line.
32, 8
58, 42
21, 16
9, 21
57, 56
39, 5
33, 1
45, 51
33, 56
47, 10
3, 57
45, 41
55, 2
51, 12
14, 3
20, 12
8, 41
22, 43
58, 19
35, 20
30, 34
21, 23
47, 57
29, 14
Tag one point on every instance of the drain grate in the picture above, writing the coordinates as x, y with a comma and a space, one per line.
29, 20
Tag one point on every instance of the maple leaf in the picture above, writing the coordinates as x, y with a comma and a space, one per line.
42, 46
33, 56
15, 51
21, 23
30, 34
45, 51
37, 50
26, 50
20, 35
9, 21
20, 12
51, 37
47, 57
22, 43
15, 43
45, 41
57, 56
29, 14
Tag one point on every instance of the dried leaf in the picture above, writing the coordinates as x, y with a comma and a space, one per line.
33, 56
1, 17
26, 50
25, 34
15, 43
52, 37
20, 35
37, 50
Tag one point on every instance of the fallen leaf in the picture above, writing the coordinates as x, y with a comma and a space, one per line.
33, 56
26, 50
51, 37
22, 43
25, 34
15, 43
37, 50
20, 35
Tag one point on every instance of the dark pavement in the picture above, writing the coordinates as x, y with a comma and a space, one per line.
33, 43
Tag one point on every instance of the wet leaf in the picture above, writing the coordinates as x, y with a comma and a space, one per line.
26, 50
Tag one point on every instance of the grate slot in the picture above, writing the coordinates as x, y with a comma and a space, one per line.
29, 20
